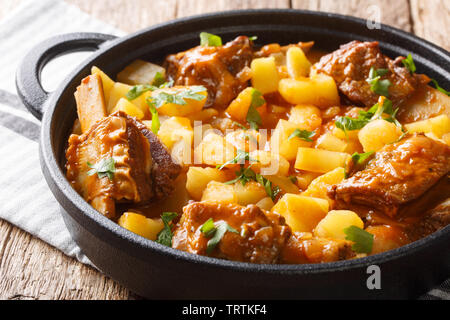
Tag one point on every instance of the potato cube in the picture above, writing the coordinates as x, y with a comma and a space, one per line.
214, 150
266, 204
320, 91
438, 125
175, 129
304, 179
302, 213
198, 178
280, 142
297, 63
306, 117
318, 188
251, 193
106, 81
178, 110
268, 163
446, 138
204, 115
376, 134
284, 183
350, 136
238, 108
265, 76
129, 108
139, 224
219, 192
333, 225
321, 161
330, 142
118, 91
246, 140
140, 72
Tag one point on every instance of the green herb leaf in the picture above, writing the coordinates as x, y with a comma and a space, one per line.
409, 63
240, 158
253, 38
380, 87
361, 158
156, 124
271, 191
215, 232
136, 91
240, 125
209, 39
293, 179
165, 235
350, 124
363, 240
159, 80
302, 134
253, 116
244, 175
436, 84
103, 168
178, 96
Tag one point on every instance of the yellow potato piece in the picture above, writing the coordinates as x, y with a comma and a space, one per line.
219, 192
175, 129
280, 142
306, 117
297, 64
302, 213
320, 161
251, 193
268, 163
238, 108
333, 225
330, 142
265, 76
198, 178
376, 134
129, 108
266, 204
106, 81
214, 150
438, 126
139, 224
192, 106
320, 91
319, 187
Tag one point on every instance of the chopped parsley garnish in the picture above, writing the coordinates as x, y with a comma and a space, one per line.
103, 168
363, 240
253, 38
244, 175
438, 87
165, 235
178, 96
240, 125
374, 113
159, 79
302, 134
271, 191
210, 40
156, 124
215, 233
138, 90
409, 63
253, 116
380, 87
361, 158
240, 158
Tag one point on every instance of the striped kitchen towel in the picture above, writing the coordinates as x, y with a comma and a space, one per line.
25, 200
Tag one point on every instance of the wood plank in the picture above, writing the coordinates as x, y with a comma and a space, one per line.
393, 12
430, 20
31, 269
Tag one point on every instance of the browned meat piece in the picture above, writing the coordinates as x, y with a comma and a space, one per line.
137, 154
222, 70
350, 67
303, 248
398, 174
260, 240
434, 220
90, 101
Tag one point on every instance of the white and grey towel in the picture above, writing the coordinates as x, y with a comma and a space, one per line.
25, 200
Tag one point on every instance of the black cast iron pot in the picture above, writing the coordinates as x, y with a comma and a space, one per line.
155, 271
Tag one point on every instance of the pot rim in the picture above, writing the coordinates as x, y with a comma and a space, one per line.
81, 211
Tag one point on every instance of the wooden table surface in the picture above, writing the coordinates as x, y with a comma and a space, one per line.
31, 269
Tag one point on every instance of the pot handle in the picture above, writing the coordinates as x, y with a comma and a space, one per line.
28, 76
